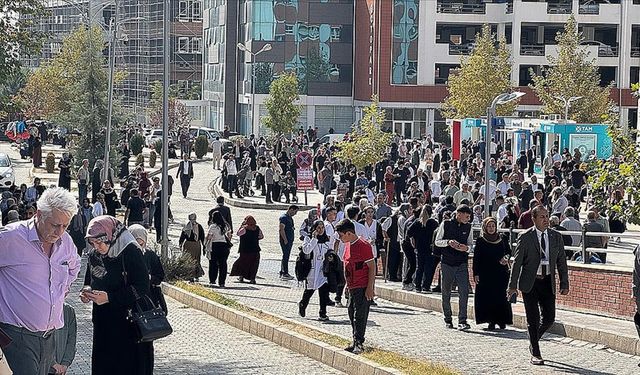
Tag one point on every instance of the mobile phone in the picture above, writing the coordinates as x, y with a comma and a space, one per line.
87, 289
513, 298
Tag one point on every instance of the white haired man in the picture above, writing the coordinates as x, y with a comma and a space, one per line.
38, 264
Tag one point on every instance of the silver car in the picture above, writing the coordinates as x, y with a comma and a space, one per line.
7, 176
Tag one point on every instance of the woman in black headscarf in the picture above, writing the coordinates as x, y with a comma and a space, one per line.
491, 275
316, 246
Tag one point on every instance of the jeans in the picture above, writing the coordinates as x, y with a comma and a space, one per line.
461, 276
218, 263
152, 211
410, 255
394, 261
540, 299
286, 253
358, 309
323, 294
425, 263
232, 184
82, 192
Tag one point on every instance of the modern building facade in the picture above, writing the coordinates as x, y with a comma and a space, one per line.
405, 50
312, 38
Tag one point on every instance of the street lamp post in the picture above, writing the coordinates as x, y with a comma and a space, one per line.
164, 204
567, 104
491, 113
243, 48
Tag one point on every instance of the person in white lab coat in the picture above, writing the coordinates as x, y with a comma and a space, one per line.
317, 246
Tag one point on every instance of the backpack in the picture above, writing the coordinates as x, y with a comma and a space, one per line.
303, 265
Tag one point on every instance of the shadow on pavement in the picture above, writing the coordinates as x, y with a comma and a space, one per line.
569, 369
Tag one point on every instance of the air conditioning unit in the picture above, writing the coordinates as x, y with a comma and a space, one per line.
555, 117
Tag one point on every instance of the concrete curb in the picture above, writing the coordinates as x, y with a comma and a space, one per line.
307, 346
584, 332
241, 203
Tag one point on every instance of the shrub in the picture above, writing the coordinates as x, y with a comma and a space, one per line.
158, 146
180, 268
136, 143
50, 162
201, 147
235, 138
140, 160
152, 159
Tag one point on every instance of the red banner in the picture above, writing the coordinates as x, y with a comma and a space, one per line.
305, 179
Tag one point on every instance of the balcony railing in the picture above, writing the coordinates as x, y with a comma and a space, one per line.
559, 8
635, 51
460, 49
460, 8
592, 8
532, 50
441, 81
607, 51
509, 8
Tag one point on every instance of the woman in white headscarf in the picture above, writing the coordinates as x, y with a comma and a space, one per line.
192, 241
151, 259
116, 274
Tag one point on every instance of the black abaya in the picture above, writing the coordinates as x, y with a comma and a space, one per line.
491, 304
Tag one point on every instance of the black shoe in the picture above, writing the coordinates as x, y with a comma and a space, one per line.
331, 303
448, 325
323, 318
502, 326
463, 326
350, 348
301, 309
437, 289
358, 348
491, 327
373, 303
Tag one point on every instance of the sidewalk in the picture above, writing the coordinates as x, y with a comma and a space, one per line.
421, 333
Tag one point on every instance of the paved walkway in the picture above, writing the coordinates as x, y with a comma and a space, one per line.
421, 334
201, 345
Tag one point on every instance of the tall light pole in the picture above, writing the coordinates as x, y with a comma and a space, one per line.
491, 113
243, 48
164, 204
567, 104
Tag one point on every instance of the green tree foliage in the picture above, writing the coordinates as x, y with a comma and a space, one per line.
201, 146
483, 75
618, 172
136, 144
282, 112
264, 77
9, 103
572, 73
17, 36
368, 143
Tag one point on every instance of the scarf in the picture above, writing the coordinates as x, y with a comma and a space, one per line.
112, 232
490, 238
191, 227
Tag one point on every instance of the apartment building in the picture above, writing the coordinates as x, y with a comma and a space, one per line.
313, 38
411, 47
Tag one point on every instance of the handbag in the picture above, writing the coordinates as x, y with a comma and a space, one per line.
149, 325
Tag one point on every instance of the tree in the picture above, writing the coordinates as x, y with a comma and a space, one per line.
179, 116
572, 73
483, 75
264, 77
9, 105
367, 143
45, 93
282, 113
18, 36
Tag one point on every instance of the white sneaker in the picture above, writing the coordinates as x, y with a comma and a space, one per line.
339, 304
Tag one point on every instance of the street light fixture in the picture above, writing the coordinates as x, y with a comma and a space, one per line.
244, 48
491, 113
567, 104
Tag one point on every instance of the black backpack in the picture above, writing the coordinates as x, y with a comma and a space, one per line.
303, 265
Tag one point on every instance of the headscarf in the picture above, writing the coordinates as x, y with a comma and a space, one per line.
109, 230
491, 238
191, 227
250, 222
138, 232
323, 237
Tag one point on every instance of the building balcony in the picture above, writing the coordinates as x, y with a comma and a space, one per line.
461, 8
532, 49
559, 8
461, 49
590, 8
509, 7
635, 51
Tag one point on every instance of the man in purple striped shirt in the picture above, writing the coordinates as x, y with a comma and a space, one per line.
38, 264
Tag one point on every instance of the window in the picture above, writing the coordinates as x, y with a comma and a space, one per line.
183, 45
183, 9
607, 75
196, 12
633, 74
196, 45
288, 29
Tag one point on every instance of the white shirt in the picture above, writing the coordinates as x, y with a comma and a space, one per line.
216, 145
492, 191
370, 235
545, 250
493, 147
503, 187
315, 278
231, 166
361, 232
98, 210
185, 166
502, 213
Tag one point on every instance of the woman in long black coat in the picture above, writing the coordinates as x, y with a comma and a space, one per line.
115, 253
491, 275
64, 180
96, 183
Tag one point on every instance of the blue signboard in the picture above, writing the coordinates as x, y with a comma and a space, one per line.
585, 137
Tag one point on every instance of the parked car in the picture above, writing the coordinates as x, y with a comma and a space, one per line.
7, 175
156, 135
330, 138
211, 134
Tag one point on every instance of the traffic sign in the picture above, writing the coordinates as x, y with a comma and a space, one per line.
304, 159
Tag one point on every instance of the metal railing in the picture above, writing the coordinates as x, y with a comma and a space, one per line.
635, 51
509, 9
460, 49
532, 50
460, 8
607, 51
592, 8
585, 252
559, 8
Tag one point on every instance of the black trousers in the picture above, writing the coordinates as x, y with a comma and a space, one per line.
185, 182
393, 264
410, 256
232, 182
358, 309
29, 353
218, 263
269, 193
539, 300
399, 189
323, 294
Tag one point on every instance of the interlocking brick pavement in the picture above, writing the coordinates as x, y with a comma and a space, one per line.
201, 345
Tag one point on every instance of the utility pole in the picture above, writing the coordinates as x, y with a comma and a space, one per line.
164, 203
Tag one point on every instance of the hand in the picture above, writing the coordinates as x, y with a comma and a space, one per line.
83, 298
564, 292
99, 297
369, 293
476, 279
504, 262
511, 292
60, 369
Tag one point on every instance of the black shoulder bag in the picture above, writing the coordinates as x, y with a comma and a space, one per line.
149, 325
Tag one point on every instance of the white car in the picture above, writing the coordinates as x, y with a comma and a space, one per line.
154, 136
7, 176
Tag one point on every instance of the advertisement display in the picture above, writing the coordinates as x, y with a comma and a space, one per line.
585, 143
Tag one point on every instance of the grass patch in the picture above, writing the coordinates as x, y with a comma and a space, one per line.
405, 364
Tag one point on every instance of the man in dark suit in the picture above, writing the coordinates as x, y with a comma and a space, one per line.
539, 251
185, 172
224, 211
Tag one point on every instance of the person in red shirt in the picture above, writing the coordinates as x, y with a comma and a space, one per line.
360, 273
